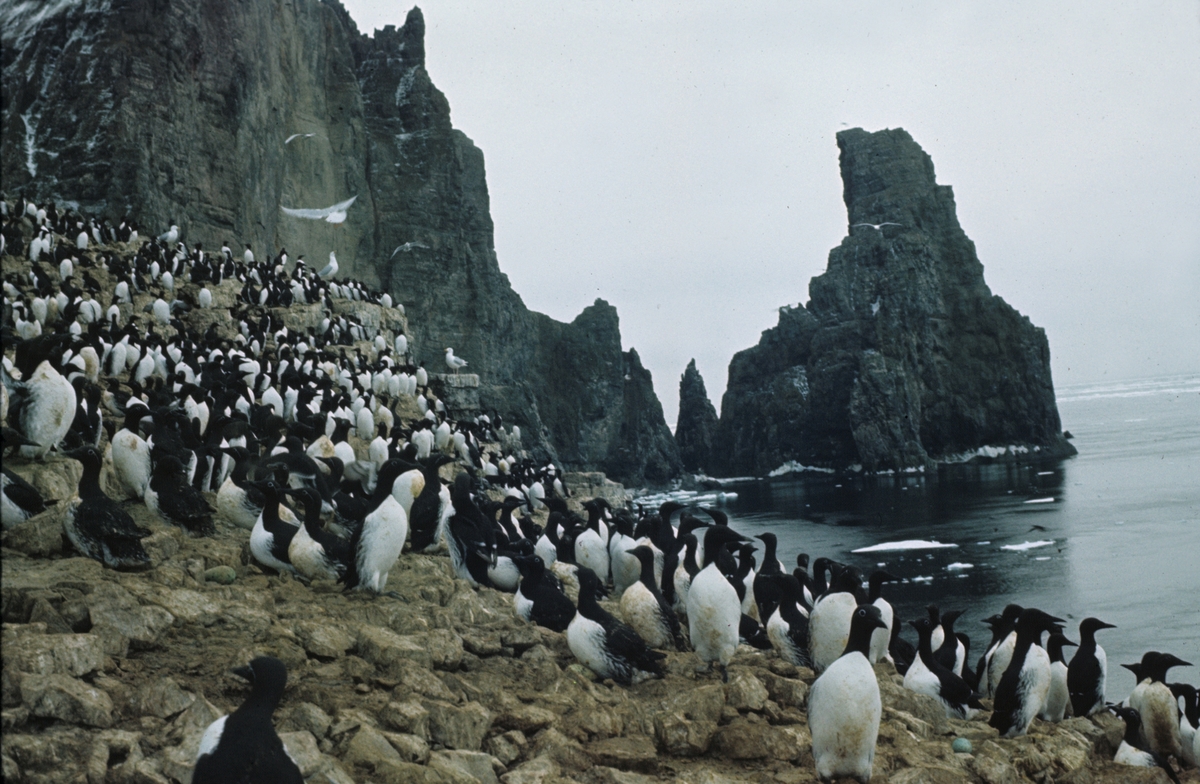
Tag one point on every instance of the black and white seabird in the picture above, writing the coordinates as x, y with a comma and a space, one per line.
608, 647
244, 746
1022, 690
844, 706
1057, 699
926, 675
714, 610
1133, 750
787, 628
98, 526
169, 495
1155, 703
19, 500
1087, 673
645, 609
539, 598
271, 536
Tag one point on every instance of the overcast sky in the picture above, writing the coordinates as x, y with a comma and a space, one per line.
679, 160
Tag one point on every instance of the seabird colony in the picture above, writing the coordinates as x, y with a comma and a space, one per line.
300, 436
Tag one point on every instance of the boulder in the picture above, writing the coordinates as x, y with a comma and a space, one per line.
474, 764
66, 699
458, 726
46, 654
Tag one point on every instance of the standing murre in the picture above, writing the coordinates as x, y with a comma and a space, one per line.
1000, 654
646, 611
844, 706
1132, 751
608, 647
1026, 681
787, 628
714, 610
98, 526
829, 622
1155, 703
1087, 673
1057, 699
244, 746
926, 675
271, 536
539, 598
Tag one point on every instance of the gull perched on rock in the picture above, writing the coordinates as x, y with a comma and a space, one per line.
453, 362
875, 226
329, 269
171, 235
332, 214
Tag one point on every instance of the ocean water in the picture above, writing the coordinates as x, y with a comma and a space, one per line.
1113, 532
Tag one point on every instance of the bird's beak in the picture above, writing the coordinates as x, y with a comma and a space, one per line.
244, 672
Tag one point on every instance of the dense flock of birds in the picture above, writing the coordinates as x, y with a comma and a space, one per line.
300, 437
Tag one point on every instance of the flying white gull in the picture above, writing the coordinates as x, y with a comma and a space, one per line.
298, 136
409, 246
875, 226
334, 214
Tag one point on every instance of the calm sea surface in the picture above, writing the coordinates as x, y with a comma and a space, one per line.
1113, 532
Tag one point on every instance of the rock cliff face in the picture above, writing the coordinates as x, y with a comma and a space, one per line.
697, 424
902, 357
181, 112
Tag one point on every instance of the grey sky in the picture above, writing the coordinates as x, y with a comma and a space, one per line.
679, 159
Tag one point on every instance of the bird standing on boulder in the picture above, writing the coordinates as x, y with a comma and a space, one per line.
453, 362
844, 706
606, 646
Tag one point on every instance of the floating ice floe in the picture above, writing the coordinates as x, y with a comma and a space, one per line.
922, 579
986, 451
954, 567
1042, 558
1044, 473
1049, 500
1020, 548
907, 544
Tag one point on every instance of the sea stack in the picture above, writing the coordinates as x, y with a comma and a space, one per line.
697, 423
902, 357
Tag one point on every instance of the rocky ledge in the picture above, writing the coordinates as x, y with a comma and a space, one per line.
113, 677
902, 358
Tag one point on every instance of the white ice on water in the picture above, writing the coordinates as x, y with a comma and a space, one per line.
1020, 548
907, 544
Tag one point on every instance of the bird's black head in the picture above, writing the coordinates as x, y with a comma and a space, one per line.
1093, 625
867, 615
1034, 620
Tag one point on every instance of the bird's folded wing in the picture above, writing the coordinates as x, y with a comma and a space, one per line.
322, 213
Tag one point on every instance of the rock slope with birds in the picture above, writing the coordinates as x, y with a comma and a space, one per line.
239, 569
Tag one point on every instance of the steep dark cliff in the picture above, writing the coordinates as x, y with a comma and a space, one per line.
180, 112
697, 423
902, 357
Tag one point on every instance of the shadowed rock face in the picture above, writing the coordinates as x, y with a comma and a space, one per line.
697, 424
179, 112
903, 356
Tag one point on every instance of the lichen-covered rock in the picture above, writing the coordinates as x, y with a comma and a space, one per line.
902, 357
66, 699
46, 654
458, 726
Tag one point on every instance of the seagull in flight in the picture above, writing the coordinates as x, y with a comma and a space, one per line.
875, 226
406, 247
332, 214
295, 136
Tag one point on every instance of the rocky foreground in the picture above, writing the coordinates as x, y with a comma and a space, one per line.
113, 677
